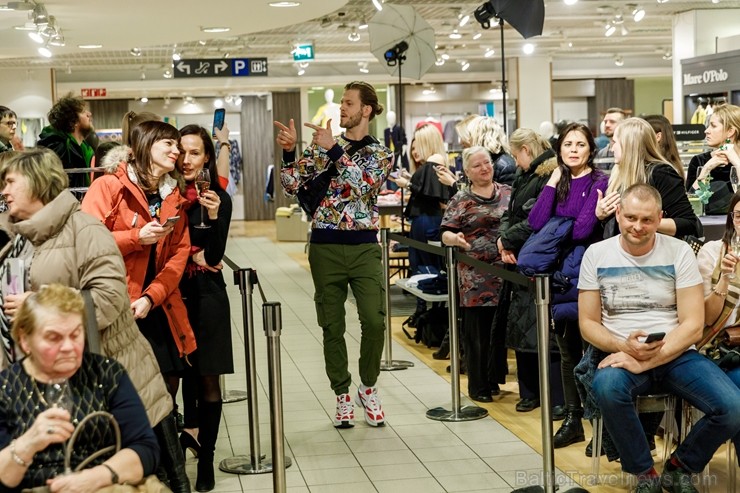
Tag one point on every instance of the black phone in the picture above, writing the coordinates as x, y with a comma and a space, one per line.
219, 116
654, 337
172, 220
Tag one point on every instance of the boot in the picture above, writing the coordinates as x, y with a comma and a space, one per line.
444, 348
571, 430
209, 417
171, 458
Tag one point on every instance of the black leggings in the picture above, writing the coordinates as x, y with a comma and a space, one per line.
570, 343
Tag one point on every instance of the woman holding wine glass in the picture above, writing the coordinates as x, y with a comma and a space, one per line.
55, 385
718, 264
204, 290
140, 201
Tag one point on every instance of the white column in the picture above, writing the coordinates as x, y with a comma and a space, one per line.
27, 92
534, 91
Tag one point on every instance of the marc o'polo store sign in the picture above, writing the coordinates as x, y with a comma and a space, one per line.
711, 73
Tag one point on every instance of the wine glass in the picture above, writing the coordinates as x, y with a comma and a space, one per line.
202, 185
57, 394
734, 178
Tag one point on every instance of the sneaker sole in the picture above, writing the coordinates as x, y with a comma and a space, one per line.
344, 424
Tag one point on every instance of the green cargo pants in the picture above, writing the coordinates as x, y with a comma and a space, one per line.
333, 268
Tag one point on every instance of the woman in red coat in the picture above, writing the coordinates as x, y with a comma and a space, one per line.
139, 201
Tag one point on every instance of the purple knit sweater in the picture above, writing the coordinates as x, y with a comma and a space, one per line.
580, 204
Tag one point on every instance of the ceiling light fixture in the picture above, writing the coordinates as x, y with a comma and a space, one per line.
455, 34
638, 14
662, 1
36, 36
477, 36
668, 55
237, 100
363, 24
463, 19
715, 1
167, 74
57, 39
429, 91
610, 30
218, 103
89, 47
354, 36
303, 64
465, 66
363, 67
489, 53
215, 29
570, 2
625, 31
44, 51
618, 61
528, 48
176, 56
378, 4
301, 71
135, 52
284, 4
144, 99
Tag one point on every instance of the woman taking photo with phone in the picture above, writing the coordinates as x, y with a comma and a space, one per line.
204, 291
134, 199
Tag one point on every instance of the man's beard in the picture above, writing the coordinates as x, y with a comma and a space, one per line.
352, 121
85, 131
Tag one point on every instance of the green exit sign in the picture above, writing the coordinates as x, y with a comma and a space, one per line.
303, 52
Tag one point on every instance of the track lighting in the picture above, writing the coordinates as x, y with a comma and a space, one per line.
39, 15
135, 52
638, 14
610, 29
354, 36
618, 61
378, 4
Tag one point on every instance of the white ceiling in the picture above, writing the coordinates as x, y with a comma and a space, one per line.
573, 38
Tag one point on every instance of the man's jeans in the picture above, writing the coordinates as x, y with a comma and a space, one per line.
691, 377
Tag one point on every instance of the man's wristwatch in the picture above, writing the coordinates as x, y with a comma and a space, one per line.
113, 473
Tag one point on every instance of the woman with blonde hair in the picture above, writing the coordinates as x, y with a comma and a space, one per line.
639, 160
428, 196
723, 134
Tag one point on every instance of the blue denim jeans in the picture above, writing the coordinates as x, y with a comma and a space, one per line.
691, 377
734, 375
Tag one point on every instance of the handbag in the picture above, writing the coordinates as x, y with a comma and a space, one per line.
731, 337
149, 484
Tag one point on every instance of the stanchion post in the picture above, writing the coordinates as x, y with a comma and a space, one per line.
389, 364
542, 302
241, 464
229, 396
458, 413
272, 323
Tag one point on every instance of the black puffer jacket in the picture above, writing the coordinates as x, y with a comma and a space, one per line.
521, 331
504, 168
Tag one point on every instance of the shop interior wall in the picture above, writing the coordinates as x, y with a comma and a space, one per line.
610, 93
285, 105
29, 93
650, 93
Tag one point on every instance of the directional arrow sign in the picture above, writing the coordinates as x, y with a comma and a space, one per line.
219, 67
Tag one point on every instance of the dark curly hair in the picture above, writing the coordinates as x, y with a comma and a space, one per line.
65, 113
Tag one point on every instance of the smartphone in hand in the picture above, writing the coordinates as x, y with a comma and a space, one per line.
171, 220
654, 337
219, 116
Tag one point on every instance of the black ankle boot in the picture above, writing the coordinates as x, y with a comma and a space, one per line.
444, 348
209, 417
171, 457
571, 430
188, 441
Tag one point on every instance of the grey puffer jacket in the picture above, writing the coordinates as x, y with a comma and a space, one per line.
75, 249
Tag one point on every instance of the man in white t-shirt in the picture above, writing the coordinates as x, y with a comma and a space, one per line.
632, 285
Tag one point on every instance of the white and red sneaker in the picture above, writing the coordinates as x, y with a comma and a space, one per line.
367, 397
345, 416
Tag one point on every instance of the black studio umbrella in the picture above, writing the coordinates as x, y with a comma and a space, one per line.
526, 16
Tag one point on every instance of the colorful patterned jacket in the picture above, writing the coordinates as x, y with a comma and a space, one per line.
350, 201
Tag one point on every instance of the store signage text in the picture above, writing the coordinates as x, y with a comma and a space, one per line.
707, 77
217, 67
93, 92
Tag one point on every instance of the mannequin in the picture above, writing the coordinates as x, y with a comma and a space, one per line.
328, 111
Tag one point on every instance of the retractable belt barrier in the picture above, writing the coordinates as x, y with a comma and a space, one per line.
256, 463
541, 286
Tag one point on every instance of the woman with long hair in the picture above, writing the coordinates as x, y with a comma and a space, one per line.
140, 202
666, 141
204, 291
571, 191
535, 161
639, 160
723, 135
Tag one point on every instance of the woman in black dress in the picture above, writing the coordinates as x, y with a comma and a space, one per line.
204, 291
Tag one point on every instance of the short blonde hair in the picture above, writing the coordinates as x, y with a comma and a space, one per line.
54, 298
427, 140
42, 168
535, 142
472, 151
729, 116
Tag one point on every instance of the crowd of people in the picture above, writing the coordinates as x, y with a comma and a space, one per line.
145, 247
146, 242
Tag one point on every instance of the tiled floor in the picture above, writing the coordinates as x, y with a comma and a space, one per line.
410, 454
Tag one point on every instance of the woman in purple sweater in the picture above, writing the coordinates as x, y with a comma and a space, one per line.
571, 191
